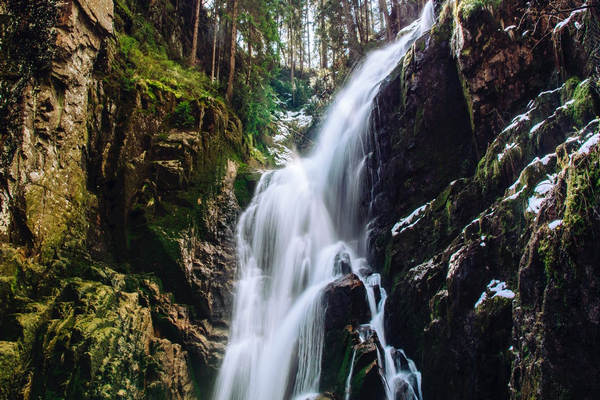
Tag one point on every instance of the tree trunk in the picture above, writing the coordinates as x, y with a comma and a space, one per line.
220, 51
249, 55
357, 20
372, 18
351, 27
301, 46
386, 16
292, 60
195, 37
214, 48
308, 35
396, 8
234, 16
366, 28
323, 37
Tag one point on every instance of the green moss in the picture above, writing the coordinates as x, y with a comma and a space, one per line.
569, 89
243, 189
345, 367
469, 102
548, 251
182, 117
337, 359
470, 8
585, 102
149, 65
442, 30
359, 377
11, 370
583, 196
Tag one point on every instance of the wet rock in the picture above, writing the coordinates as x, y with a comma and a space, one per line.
366, 379
345, 309
345, 302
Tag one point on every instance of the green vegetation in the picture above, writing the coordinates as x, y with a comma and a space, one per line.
147, 64
470, 8
582, 204
182, 116
585, 104
569, 89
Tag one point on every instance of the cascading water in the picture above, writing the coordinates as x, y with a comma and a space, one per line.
301, 219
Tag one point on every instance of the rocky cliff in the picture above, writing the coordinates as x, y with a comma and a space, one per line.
118, 203
486, 201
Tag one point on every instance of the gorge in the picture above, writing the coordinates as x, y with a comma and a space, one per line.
259, 199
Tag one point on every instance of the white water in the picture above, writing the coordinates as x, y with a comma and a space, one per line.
300, 219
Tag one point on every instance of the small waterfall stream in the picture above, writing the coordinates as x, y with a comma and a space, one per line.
301, 218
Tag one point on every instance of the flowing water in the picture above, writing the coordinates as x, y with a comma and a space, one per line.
302, 218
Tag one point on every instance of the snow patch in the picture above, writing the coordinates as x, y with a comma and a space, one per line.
516, 121
555, 224
587, 146
287, 123
567, 20
452, 262
547, 158
410, 221
507, 148
534, 203
516, 194
498, 288
536, 127
552, 91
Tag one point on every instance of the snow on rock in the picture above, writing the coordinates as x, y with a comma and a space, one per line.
453, 262
587, 146
536, 127
515, 195
551, 91
558, 27
482, 243
516, 121
555, 224
507, 148
287, 123
534, 203
411, 220
495, 288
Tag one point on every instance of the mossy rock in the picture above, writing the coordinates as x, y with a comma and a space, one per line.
585, 104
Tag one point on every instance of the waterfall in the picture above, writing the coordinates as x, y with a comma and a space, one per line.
300, 219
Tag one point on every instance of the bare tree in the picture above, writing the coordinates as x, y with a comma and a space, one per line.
234, 15
214, 47
195, 37
386, 15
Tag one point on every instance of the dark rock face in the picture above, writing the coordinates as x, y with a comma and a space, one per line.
423, 96
346, 308
481, 149
366, 380
345, 302
117, 254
